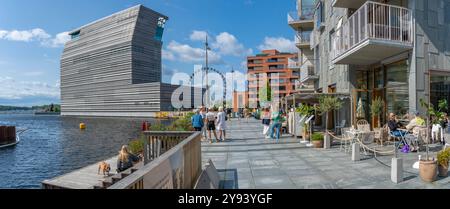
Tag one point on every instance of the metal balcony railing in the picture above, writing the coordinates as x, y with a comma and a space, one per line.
303, 37
295, 17
374, 21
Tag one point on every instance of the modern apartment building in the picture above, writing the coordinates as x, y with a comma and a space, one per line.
278, 69
395, 50
302, 21
112, 67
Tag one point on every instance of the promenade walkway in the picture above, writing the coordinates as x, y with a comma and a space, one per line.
248, 161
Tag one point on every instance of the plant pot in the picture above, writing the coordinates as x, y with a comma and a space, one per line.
443, 171
428, 170
317, 144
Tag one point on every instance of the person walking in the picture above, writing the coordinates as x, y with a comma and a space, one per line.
211, 124
197, 121
266, 121
276, 123
221, 124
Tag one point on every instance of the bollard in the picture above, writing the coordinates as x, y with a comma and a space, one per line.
327, 141
355, 152
397, 170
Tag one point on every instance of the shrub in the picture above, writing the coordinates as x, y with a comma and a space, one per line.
136, 146
317, 137
158, 127
443, 157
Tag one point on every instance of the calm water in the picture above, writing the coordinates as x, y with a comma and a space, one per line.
55, 145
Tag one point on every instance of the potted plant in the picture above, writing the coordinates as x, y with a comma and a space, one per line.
376, 108
317, 140
428, 168
443, 158
328, 104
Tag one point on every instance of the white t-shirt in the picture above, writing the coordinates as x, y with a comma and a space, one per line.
210, 116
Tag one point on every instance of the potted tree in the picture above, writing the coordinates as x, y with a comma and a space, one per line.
376, 108
317, 140
443, 158
428, 168
328, 104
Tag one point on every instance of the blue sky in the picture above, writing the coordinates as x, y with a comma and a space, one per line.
32, 36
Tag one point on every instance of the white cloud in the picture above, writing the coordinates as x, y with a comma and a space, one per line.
15, 90
24, 35
36, 34
227, 44
280, 44
168, 55
187, 53
59, 40
198, 35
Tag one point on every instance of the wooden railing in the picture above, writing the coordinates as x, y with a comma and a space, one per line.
172, 161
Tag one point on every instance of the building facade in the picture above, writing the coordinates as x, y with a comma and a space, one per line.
112, 67
279, 70
389, 49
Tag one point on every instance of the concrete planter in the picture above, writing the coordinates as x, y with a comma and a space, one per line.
318, 144
428, 170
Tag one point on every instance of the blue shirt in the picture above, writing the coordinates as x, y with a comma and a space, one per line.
197, 121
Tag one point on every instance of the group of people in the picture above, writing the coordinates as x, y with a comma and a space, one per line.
413, 126
272, 119
207, 121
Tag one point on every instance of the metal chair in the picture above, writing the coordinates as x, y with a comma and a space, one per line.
363, 125
340, 126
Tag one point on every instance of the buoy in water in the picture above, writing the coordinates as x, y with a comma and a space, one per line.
82, 126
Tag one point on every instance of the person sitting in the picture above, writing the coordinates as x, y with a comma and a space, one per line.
415, 124
394, 125
125, 159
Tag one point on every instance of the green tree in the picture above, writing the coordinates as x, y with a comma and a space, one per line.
265, 93
376, 108
328, 104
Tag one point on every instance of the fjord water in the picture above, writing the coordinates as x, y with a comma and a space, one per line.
55, 145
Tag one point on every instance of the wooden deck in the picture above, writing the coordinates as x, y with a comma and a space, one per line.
84, 178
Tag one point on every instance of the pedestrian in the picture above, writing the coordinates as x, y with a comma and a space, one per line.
211, 124
203, 114
276, 123
221, 124
197, 121
266, 121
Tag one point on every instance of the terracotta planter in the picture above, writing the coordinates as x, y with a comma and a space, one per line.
318, 144
443, 171
428, 170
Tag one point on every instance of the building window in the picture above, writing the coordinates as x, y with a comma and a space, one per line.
439, 88
397, 88
75, 35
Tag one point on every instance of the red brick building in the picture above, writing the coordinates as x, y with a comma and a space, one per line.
273, 66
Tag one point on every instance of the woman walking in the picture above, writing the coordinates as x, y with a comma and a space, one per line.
221, 124
266, 121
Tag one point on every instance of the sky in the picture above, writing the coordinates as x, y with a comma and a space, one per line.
33, 33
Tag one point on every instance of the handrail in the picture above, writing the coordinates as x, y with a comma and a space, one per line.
137, 179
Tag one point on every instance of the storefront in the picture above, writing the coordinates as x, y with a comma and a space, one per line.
387, 82
439, 86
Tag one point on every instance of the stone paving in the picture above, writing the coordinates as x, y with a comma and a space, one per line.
249, 161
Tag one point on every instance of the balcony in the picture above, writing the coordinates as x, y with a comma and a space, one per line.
307, 73
351, 4
303, 40
293, 64
373, 33
298, 22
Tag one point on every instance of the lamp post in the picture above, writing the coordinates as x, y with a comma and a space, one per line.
207, 69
